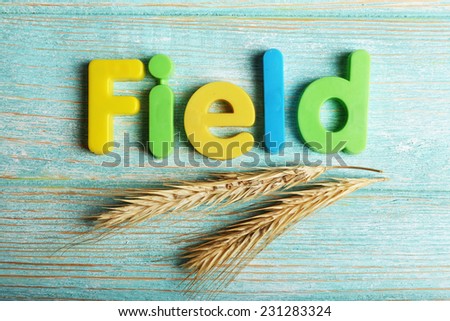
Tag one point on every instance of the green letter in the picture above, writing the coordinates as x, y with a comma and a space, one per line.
353, 94
161, 108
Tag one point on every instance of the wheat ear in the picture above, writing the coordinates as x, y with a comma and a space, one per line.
233, 247
228, 188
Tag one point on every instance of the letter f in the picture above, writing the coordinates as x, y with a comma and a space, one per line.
103, 105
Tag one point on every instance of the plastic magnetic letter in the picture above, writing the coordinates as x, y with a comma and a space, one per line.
161, 108
353, 94
273, 100
103, 105
198, 120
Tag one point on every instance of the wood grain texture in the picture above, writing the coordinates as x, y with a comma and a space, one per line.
388, 241
371, 9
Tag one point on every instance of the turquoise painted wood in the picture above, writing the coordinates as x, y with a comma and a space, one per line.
388, 241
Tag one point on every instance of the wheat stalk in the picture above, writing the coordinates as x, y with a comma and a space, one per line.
233, 247
227, 189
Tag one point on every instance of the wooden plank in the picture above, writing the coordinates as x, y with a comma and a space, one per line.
389, 241
372, 245
255, 8
43, 91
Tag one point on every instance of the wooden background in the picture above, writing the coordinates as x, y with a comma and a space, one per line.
389, 241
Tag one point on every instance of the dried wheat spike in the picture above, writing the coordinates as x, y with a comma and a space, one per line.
228, 188
233, 247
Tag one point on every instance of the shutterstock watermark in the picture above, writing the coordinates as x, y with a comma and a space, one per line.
185, 156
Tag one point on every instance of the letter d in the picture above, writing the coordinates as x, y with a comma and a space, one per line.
353, 94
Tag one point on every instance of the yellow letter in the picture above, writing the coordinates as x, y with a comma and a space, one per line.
198, 119
103, 105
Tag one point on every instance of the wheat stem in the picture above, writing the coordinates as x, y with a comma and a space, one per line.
356, 167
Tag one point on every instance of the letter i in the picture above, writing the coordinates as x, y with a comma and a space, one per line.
273, 100
161, 103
